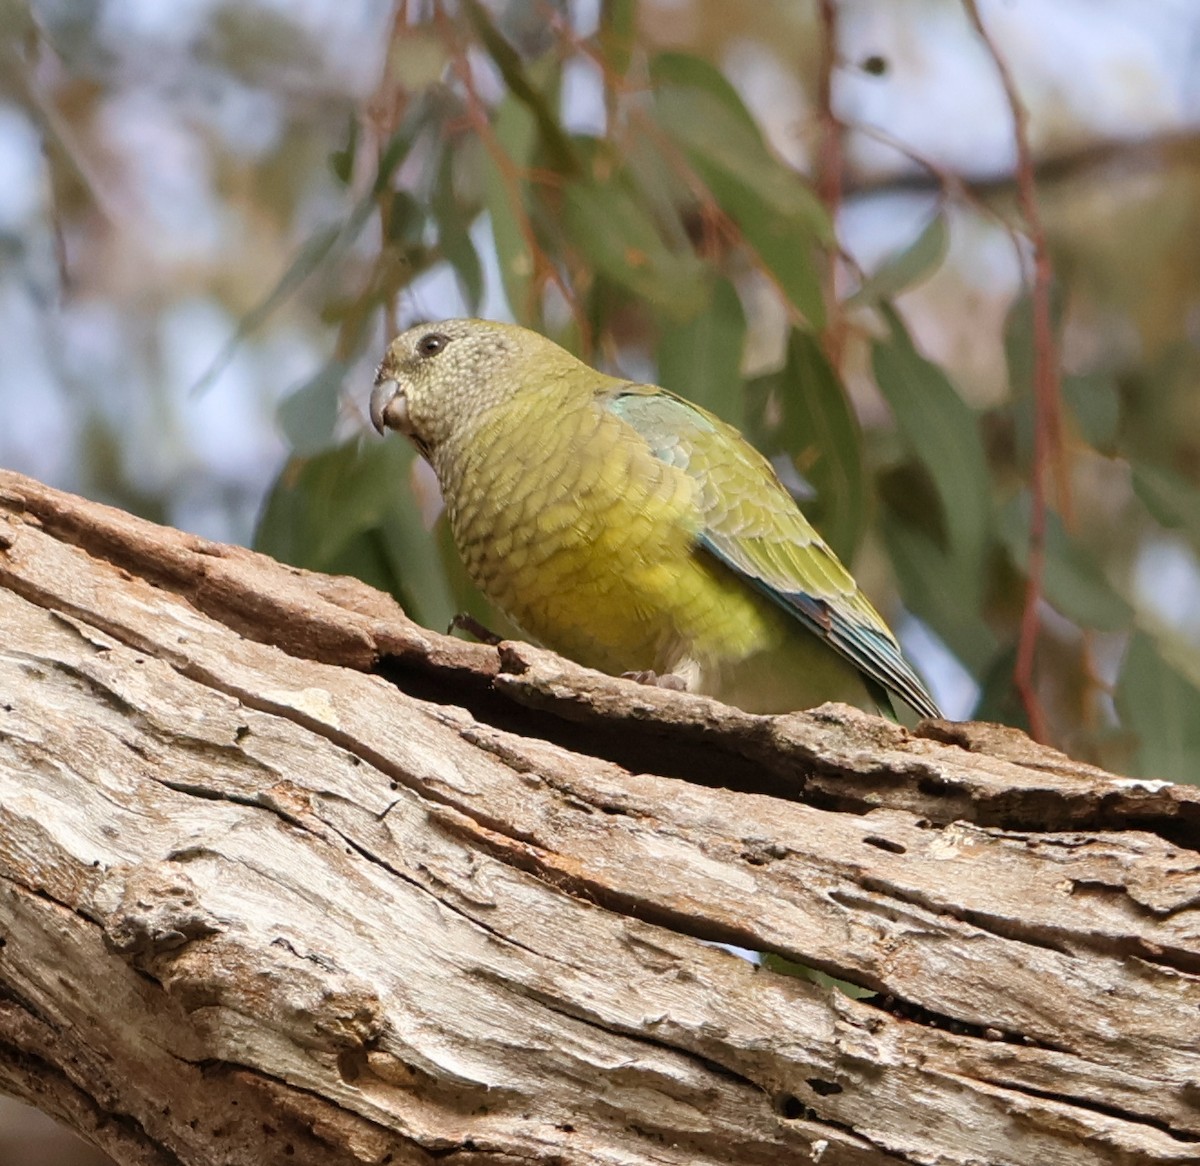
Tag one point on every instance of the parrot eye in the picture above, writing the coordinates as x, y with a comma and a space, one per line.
432, 343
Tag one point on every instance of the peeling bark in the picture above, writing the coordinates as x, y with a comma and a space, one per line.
285, 878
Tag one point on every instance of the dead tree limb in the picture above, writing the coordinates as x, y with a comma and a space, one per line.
285, 878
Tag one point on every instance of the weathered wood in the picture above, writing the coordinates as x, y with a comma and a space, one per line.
286, 878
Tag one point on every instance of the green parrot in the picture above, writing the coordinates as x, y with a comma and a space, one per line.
631, 530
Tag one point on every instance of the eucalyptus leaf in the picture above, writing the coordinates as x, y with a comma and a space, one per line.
318, 249
803, 410
776, 211
506, 200
909, 266
1169, 497
309, 414
618, 237
930, 583
999, 701
943, 431
1096, 405
341, 162
454, 235
555, 142
701, 358
1072, 580
617, 33
1161, 706
350, 510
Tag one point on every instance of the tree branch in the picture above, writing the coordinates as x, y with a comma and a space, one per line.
286, 878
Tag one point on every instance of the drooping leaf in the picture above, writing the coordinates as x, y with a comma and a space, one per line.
617, 33
784, 244
943, 431
999, 701
349, 511
1096, 406
308, 414
1072, 580
341, 162
803, 411
778, 214
621, 241
555, 142
506, 199
696, 105
315, 251
1162, 707
1018, 335
929, 584
701, 358
1169, 497
682, 71
454, 235
908, 266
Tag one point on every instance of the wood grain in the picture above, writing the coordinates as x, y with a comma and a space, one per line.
285, 878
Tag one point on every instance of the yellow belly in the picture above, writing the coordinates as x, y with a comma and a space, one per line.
592, 551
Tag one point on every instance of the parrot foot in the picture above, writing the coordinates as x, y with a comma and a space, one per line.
670, 680
472, 626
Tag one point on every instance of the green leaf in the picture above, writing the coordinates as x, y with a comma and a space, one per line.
943, 431
929, 583
404, 221
909, 266
778, 214
999, 701
816, 427
350, 511
341, 162
785, 245
393, 153
1072, 580
682, 72
701, 358
1162, 708
617, 33
454, 235
555, 142
616, 235
1018, 338
309, 414
1170, 498
506, 199
1096, 405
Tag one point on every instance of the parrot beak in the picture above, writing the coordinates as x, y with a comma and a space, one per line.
389, 407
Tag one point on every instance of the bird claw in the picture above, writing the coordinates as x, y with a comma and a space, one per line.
649, 676
469, 624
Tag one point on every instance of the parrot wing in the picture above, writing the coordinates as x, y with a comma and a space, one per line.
752, 525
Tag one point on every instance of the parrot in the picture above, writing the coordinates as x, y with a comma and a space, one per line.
630, 530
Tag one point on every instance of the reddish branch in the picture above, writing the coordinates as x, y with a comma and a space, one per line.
511, 175
1047, 430
830, 169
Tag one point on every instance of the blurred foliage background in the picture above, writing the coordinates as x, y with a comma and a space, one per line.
803, 215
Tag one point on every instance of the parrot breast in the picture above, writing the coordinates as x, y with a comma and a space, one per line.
567, 521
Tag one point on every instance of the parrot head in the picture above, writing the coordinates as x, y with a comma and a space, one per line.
436, 378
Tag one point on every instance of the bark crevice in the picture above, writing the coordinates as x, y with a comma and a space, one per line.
289, 879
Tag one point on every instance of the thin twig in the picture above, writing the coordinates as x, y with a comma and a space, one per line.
1047, 430
511, 175
830, 167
